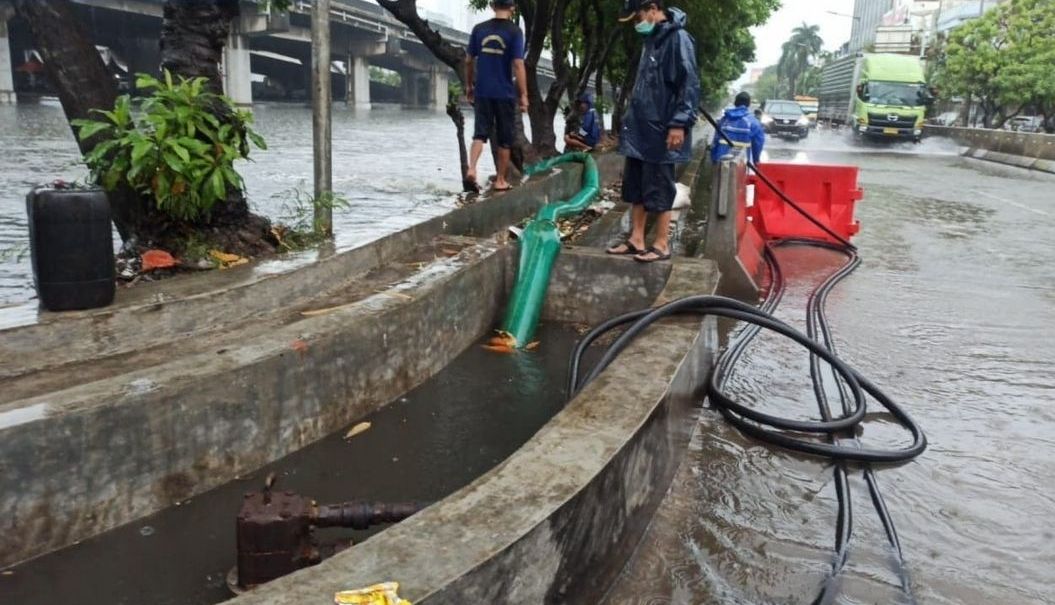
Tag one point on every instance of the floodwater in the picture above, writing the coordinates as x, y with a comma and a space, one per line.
953, 314
396, 167
422, 447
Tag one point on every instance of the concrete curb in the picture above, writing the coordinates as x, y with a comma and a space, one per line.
1007, 159
556, 522
1032, 151
155, 314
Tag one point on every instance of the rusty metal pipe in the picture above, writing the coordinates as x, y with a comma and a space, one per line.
362, 515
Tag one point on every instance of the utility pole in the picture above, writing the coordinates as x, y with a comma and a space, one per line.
321, 109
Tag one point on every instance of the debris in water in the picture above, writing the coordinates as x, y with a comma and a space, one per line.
533, 346
7, 572
300, 346
227, 260
362, 427
146, 531
502, 342
386, 593
152, 260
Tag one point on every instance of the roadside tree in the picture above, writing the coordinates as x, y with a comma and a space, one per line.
193, 36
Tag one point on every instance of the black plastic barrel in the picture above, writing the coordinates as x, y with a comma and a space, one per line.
72, 247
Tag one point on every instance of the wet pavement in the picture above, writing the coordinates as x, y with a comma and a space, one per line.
396, 167
422, 447
952, 314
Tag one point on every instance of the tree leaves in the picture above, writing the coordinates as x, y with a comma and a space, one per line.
1004, 60
171, 146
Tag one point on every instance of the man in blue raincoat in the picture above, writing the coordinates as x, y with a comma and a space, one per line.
742, 128
589, 133
657, 125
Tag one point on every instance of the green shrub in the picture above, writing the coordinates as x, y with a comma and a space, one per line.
171, 146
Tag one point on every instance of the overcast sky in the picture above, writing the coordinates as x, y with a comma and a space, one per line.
835, 30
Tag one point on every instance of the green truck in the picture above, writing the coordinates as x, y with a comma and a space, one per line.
882, 96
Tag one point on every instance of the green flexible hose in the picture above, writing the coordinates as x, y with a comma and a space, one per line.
540, 245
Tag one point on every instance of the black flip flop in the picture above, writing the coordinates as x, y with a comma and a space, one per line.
660, 256
631, 250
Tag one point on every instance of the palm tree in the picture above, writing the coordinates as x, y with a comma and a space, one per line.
804, 45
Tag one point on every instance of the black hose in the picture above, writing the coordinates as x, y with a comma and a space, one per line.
818, 339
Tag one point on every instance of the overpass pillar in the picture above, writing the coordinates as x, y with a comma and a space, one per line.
237, 70
358, 82
439, 81
7, 76
411, 88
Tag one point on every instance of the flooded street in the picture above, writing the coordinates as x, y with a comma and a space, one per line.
952, 313
396, 167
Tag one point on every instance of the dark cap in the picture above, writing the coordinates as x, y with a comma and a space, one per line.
503, 3
742, 100
630, 8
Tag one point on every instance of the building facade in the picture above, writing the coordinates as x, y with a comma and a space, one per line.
868, 16
954, 13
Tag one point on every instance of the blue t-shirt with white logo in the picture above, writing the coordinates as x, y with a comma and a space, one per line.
495, 44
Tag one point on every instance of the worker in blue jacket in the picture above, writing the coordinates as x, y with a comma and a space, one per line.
742, 128
589, 133
657, 125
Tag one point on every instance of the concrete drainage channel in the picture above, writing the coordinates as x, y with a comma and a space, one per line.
422, 446
554, 521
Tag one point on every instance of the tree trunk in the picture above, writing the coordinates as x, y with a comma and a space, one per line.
193, 36
599, 96
78, 74
406, 12
626, 87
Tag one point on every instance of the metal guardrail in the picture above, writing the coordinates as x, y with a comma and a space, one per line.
359, 13
373, 17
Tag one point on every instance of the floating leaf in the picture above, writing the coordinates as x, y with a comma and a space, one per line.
362, 427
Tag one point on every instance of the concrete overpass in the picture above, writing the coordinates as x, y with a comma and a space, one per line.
274, 47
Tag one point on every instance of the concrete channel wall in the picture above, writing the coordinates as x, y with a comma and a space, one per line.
87, 458
1025, 150
153, 314
555, 522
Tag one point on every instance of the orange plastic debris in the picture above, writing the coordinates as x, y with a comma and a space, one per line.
502, 343
153, 260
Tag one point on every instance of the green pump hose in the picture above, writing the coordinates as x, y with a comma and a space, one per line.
540, 245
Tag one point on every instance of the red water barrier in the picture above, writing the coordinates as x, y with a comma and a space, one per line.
828, 193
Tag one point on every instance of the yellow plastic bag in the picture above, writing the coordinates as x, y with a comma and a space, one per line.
378, 594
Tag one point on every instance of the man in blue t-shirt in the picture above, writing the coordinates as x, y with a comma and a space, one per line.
496, 54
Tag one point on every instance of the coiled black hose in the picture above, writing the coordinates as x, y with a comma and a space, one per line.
772, 429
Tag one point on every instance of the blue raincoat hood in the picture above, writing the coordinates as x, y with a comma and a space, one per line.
736, 113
